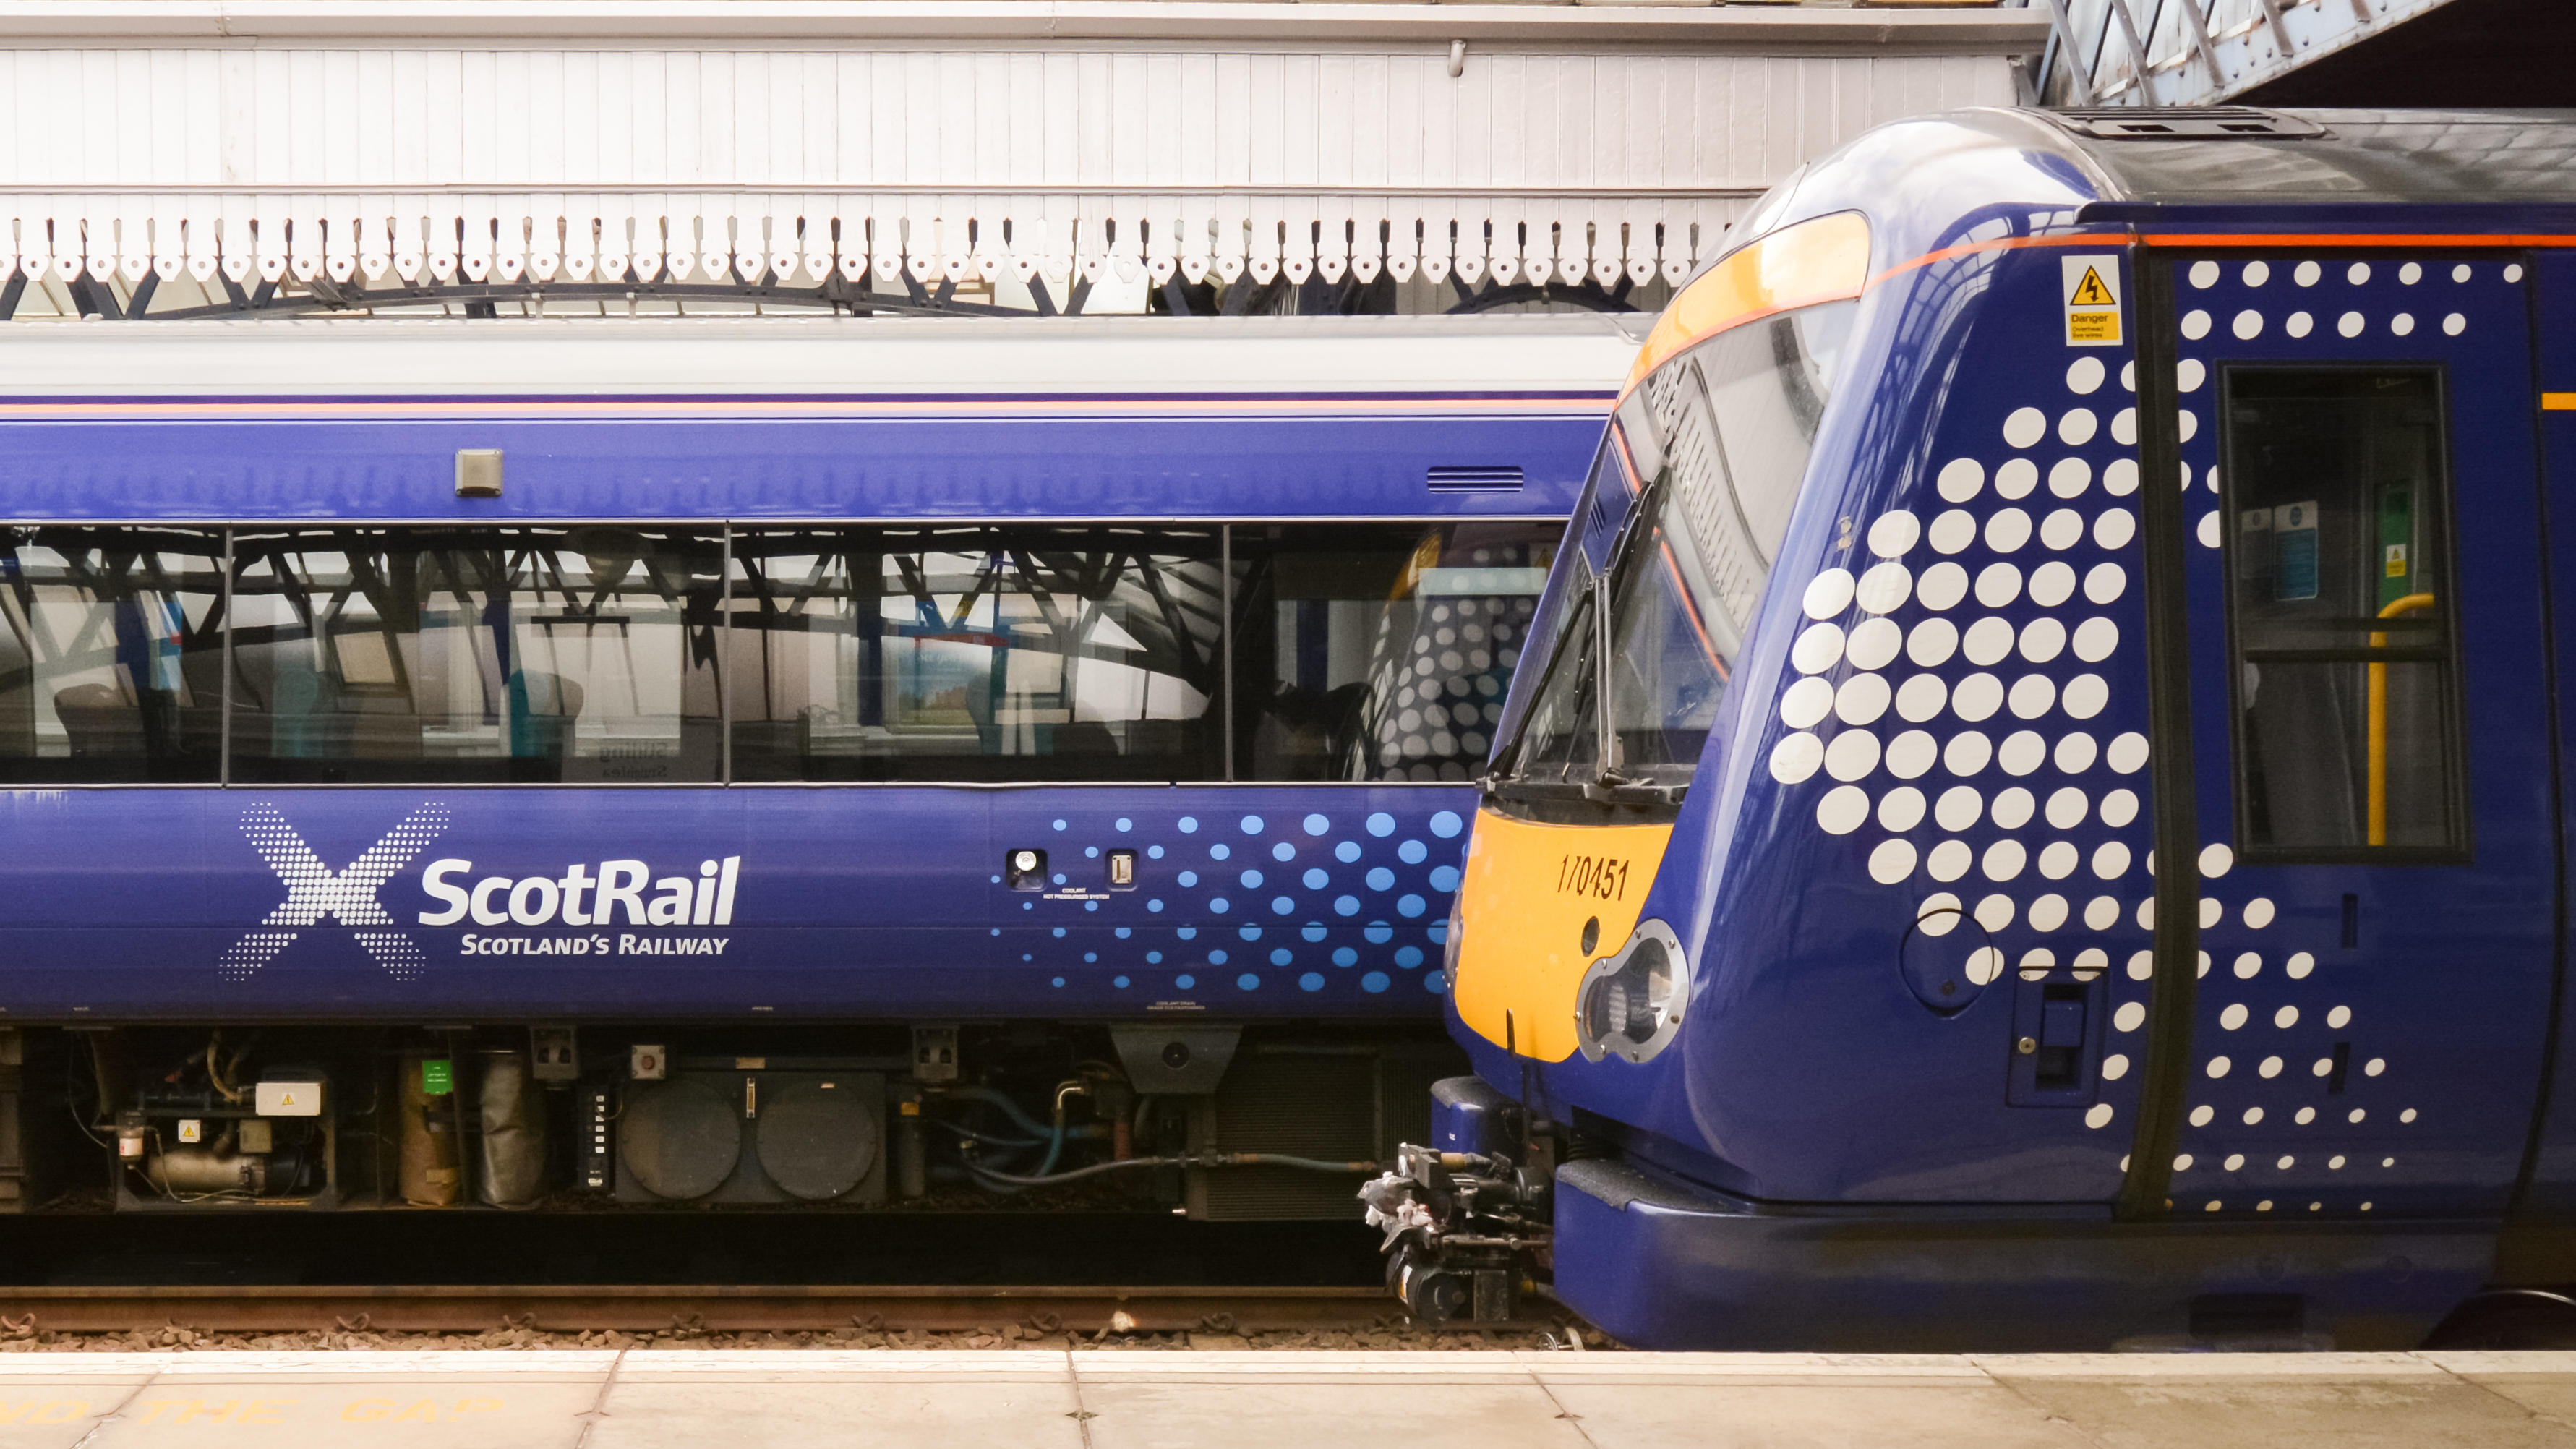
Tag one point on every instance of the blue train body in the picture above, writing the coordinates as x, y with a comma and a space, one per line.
132, 905
876, 900
837, 760
2104, 853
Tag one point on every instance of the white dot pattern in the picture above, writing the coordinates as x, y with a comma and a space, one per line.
2004, 757
2019, 753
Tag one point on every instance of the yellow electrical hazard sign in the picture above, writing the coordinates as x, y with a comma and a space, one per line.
2092, 293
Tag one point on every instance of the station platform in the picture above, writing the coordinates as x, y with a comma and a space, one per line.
1113, 1399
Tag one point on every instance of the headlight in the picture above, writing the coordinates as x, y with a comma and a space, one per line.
1631, 1003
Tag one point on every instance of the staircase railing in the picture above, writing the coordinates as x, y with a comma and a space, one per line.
2196, 52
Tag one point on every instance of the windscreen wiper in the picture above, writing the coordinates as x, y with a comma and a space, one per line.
1610, 787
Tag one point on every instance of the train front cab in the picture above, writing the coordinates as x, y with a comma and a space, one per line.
2051, 909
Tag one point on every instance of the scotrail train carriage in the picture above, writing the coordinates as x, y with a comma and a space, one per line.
837, 757
2036, 816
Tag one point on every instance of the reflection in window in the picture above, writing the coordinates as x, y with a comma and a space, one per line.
111, 664
2347, 721
1560, 743
1734, 420
1380, 652
1720, 437
494, 655
1666, 677
1666, 674
977, 654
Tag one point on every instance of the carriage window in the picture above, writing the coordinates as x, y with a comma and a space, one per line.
1376, 651
453, 656
111, 664
2347, 716
977, 654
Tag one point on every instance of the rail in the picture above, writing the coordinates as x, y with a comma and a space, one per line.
2378, 716
450, 1308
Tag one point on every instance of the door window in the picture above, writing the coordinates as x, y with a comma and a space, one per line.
2347, 711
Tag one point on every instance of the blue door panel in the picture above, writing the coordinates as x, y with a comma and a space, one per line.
2551, 1193
2368, 1034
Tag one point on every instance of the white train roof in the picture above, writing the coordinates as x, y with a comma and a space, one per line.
1528, 355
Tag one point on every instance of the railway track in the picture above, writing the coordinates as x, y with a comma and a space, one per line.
449, 1308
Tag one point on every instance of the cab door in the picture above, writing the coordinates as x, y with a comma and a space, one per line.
2361, 571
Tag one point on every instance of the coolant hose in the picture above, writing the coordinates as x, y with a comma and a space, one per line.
1053, 1136
1010, 1109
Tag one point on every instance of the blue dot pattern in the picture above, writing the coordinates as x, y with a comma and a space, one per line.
1354, 898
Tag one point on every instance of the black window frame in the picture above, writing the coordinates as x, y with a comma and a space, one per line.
2454, 699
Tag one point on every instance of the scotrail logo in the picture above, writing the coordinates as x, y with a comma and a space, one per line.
705, 899
315, 892
624, 892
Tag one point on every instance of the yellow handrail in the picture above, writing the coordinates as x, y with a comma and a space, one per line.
2379, 718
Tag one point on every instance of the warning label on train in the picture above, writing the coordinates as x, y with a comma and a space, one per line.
2092, 300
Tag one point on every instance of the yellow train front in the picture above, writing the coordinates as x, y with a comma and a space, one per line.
2038, 819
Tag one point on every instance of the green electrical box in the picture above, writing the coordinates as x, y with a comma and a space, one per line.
437, 1077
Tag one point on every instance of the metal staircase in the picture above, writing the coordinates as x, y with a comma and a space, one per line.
2206, 52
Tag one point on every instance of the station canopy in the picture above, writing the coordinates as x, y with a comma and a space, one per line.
181, 157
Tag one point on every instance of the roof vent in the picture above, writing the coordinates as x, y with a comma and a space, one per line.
1475, 480
2183, 123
